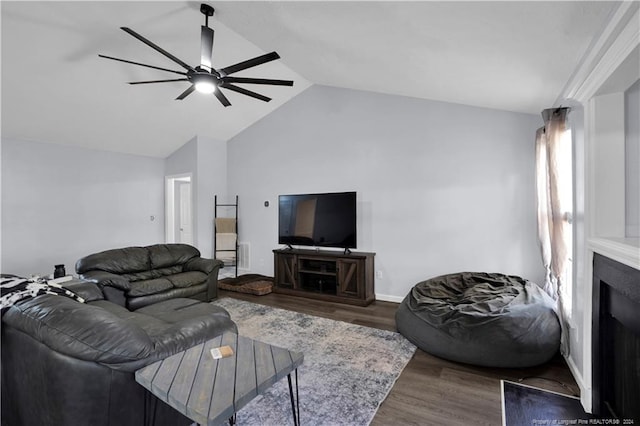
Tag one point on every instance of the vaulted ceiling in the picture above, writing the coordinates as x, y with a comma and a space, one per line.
514, 56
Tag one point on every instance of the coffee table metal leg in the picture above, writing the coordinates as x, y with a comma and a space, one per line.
295, 405
297, 398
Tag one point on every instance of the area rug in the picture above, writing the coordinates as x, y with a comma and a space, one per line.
348, 369
527, 405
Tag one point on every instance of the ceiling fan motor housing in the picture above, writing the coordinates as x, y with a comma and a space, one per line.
203, 77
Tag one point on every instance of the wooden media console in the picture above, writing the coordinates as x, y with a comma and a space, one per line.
328, 275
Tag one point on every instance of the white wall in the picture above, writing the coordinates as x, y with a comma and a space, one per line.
632, 159
206, 160
60, 203
212, 180
183, 160
441, 187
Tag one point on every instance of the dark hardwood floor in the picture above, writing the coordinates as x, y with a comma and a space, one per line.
430, 390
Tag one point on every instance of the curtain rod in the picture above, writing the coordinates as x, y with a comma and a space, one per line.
554, 112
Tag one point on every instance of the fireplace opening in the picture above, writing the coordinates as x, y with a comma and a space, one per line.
616, 339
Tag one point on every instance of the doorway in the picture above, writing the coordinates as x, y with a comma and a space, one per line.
179, 209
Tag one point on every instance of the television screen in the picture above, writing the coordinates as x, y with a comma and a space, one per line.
323, 220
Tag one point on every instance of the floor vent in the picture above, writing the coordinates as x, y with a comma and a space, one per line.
243, 256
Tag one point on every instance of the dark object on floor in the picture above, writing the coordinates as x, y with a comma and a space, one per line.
525, 405
139, 276
71, 363
492, 320
249, 283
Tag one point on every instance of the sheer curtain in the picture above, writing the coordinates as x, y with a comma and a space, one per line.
554, 204
543, 207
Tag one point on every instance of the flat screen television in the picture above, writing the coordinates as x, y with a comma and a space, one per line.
321, 220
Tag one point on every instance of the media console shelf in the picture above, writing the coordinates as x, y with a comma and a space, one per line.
327, 275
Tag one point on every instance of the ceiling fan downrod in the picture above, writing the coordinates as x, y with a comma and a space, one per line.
207, 11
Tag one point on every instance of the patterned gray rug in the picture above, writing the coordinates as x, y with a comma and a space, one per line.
348, 369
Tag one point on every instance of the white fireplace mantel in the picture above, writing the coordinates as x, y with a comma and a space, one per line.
623, 250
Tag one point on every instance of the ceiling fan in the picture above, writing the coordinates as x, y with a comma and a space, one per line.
204, 78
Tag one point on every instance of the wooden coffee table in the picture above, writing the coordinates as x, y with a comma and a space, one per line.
210, 391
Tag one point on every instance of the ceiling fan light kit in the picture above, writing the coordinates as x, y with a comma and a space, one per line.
204, 78
204, 83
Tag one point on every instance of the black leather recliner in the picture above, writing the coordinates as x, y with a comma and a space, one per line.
71, 363
139, 276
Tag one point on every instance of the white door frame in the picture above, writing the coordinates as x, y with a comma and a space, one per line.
170, 206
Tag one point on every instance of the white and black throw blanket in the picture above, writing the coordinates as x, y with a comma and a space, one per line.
13, 289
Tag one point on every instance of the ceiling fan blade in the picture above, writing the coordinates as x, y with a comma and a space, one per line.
222, 98
142, 65
157, 48
246, 92
206, 47
158, 81
258, 81
186, 93
258, 60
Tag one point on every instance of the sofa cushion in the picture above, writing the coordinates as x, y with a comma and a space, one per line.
141, 276
152, 273
175, 324
187, 279
107, 279
179, 309
152, 286
167, 255
117, 261
183, 320
134, 303
80, 330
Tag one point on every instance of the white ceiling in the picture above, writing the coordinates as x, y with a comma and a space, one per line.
515, 56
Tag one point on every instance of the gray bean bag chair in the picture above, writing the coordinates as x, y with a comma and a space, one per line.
491, 320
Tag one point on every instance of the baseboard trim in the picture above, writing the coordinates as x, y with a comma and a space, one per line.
389, 298
585, 391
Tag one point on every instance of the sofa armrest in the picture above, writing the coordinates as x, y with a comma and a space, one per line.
202, 264
107, 279
89, 291
81, 330
209, 267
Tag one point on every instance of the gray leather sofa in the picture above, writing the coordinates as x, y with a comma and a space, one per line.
71, 363
139, 276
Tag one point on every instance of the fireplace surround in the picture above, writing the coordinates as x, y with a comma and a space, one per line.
616, 339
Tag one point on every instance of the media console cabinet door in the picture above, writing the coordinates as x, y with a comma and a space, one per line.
350, 280
286, 270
